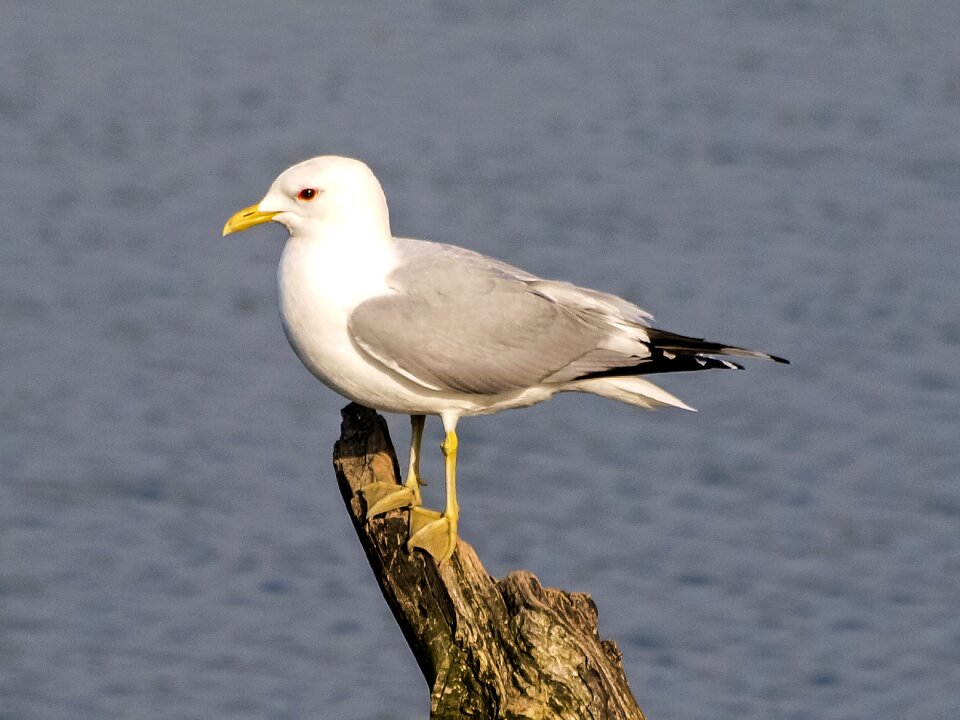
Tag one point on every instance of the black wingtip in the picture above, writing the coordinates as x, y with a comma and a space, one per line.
775, 358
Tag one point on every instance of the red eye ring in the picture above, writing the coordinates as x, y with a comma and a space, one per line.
307, 194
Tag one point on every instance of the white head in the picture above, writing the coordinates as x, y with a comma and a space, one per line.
323, 191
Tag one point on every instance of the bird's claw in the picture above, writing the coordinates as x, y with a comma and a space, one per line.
382, 497
433, 532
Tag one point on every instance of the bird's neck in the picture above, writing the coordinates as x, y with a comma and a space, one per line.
345, 264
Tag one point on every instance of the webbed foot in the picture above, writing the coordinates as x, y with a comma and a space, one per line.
382, 497
433, 532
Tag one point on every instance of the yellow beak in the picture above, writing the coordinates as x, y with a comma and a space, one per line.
247, 218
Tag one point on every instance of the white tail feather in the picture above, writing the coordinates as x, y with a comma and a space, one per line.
633, 390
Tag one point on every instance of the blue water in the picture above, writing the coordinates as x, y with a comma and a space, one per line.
781, 174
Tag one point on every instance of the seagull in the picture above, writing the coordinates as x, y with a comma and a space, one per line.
424, 328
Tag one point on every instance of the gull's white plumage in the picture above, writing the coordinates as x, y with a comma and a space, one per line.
423, 328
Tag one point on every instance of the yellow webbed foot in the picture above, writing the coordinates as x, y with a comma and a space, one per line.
433, 532
382, 497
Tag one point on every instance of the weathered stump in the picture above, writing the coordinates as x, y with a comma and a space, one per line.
508, 649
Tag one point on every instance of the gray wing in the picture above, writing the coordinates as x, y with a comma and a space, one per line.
461, 321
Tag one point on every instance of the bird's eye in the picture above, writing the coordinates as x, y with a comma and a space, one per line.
307, 194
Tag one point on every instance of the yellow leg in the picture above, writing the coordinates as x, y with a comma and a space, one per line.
431, 531
382, 497
414, 481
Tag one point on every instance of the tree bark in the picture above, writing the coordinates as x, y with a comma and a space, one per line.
498, 650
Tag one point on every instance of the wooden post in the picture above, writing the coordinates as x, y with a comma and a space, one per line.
496, 650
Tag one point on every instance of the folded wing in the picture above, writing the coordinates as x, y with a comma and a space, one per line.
473, 324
